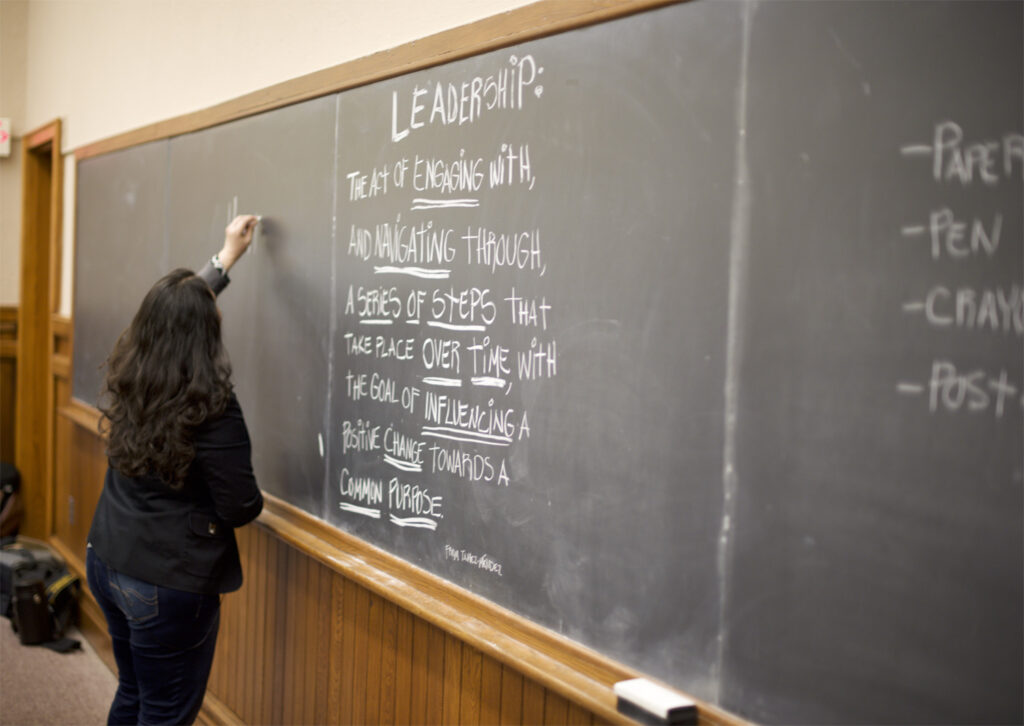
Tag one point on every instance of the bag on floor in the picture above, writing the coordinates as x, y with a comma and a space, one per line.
43, 595
21, 554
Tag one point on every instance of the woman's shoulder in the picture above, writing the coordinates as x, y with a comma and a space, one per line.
225, 429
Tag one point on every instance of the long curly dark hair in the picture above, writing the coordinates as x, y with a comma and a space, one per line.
167, 374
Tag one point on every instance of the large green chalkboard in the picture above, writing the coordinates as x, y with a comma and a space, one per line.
695, 336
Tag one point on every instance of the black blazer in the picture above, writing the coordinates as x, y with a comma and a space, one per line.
185, 538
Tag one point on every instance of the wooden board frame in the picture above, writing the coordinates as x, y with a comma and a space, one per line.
581, 675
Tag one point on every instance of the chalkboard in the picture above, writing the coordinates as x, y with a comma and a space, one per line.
880, 447
695, 336
120, 237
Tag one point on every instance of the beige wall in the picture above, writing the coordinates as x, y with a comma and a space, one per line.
13, 26
108, 66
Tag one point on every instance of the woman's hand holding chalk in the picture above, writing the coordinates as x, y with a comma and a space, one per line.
237, 238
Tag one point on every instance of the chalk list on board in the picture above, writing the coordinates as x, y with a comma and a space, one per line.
951, 160
430, 370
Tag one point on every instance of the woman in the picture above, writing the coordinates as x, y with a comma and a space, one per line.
162, 544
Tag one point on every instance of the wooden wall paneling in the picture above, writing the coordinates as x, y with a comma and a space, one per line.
374, 638
575, 672
325, 622
66, 514
59, 366
511, 710
271, 620
556, 709
335, 666
388, 661
62, 331
452, 679
437, 659
304, 646
277, 620
88, 466
255, 577
294, 676
259, 589
533, 702
285, 677
348, 664
578, 716
68, 523
470, 685
293, 641
311, 616
293, 650
419, 670
405, 639
240, 611
490, 691
591, 718
360, 674
227, 645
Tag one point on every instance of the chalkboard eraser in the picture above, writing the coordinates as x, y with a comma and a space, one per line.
647, 702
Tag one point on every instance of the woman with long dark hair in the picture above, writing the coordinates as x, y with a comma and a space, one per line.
162, 545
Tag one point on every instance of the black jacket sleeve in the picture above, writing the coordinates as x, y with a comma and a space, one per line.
224, 459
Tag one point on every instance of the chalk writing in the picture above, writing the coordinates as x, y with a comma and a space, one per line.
994, 309
465, 102
954, 238
970, 241
483, 562
973, 390
398, 243
490, 249
988, 160
430, 366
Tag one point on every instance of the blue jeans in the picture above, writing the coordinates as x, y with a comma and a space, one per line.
163, 644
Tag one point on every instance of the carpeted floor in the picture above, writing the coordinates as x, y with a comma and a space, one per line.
40, 687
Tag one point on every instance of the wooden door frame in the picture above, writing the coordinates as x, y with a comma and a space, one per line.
42, 169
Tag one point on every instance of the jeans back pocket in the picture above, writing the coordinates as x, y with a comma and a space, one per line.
138, 600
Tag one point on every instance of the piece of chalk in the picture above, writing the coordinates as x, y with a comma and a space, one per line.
662, 704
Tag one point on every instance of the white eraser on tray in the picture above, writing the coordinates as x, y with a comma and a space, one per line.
662, 703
